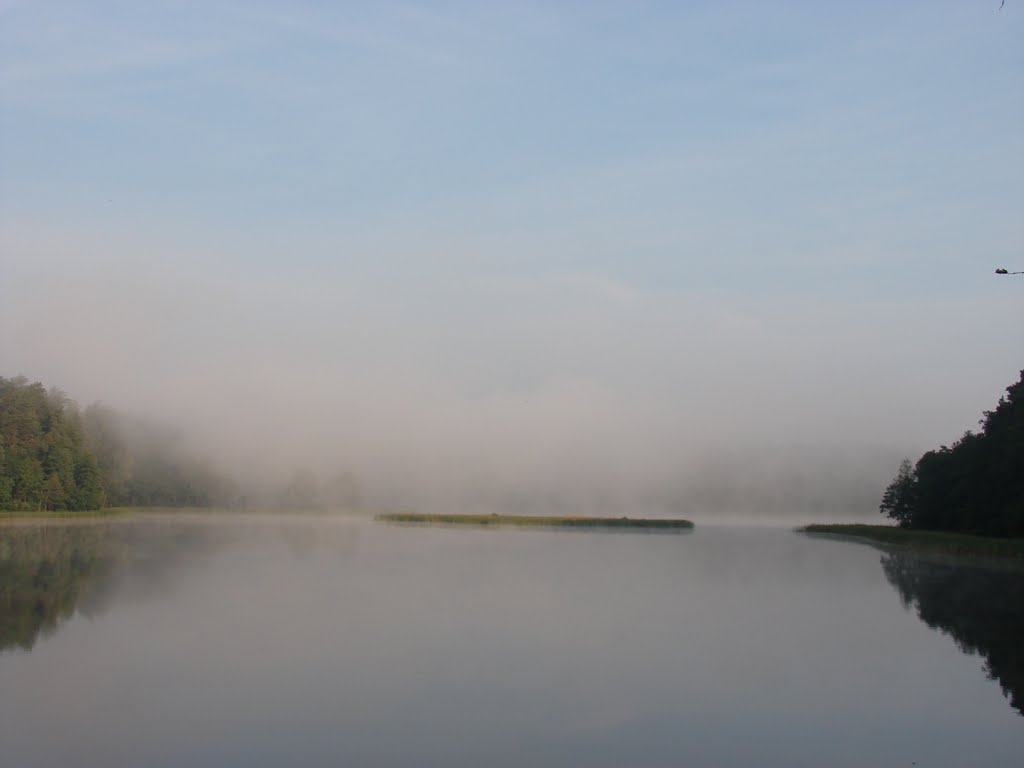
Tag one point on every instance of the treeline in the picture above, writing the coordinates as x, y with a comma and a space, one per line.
146, 465
44, 460
55, 457
974, 486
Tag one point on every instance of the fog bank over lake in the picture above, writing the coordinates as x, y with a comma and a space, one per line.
560, 393
688, 257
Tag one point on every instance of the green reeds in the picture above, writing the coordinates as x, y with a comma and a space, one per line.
537, 520
926, 541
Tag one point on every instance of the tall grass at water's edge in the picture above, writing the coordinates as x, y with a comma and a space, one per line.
537, 520
941, 542
11, 514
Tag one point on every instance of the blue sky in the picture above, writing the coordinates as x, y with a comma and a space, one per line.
635, 213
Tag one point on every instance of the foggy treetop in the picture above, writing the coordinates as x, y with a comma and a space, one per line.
55, 457
976, 485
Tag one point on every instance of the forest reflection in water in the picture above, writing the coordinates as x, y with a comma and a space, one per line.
980, 604
51, 571
46, 574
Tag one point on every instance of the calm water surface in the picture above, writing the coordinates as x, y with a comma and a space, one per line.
225, 641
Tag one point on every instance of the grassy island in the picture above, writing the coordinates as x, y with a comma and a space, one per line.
538, 520
926, 541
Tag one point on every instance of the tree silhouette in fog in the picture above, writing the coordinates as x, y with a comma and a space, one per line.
974, 486
54, 457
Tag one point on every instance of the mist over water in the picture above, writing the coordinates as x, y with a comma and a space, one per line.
263, 640
557, 394
728, 262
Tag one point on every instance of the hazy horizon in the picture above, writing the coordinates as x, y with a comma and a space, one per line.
575, 258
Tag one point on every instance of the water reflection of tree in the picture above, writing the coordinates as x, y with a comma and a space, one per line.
45, 571
981, 608
48, 572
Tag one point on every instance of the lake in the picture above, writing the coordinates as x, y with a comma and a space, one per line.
218, 640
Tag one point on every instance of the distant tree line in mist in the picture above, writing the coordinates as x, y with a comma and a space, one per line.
54, 456
974, 486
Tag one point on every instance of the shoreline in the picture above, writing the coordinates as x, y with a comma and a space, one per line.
536, 521
939, 542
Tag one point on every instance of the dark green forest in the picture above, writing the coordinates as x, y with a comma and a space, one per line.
974, 486
44, 460
56, 457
